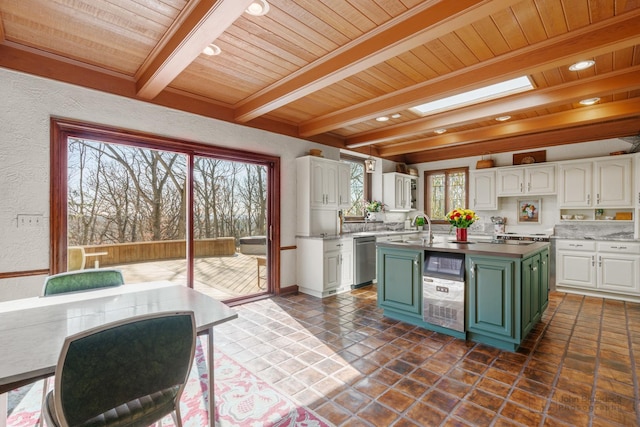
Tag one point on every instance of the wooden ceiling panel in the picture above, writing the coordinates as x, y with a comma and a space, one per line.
509, 26
601, 10
474, 43
526, 13
576, 13
328, 68
492, 36
103, 35
552, 15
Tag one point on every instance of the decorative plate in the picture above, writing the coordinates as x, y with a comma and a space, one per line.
527, 160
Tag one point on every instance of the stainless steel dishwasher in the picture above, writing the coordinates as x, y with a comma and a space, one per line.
365, 261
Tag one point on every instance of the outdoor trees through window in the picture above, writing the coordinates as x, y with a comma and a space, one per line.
359, 187
445, 190
164, 209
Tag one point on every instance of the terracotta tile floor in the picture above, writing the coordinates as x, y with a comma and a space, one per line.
342, 358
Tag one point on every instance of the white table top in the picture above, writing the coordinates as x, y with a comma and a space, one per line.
32, 330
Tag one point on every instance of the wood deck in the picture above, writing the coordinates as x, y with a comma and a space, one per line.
222, 278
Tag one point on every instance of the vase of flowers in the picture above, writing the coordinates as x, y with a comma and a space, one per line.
461, 219
372, 208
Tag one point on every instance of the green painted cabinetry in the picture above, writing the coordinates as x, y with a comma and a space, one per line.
544, 280
491, 299
400, 280
506, 297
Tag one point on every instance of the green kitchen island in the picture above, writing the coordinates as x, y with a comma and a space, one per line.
506, 287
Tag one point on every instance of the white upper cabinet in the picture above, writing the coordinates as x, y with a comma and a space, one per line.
613, 182
529, 180
323, 187
482, 190
398, 191
324, 183
344, 185
636, 192
599, 183
574, 184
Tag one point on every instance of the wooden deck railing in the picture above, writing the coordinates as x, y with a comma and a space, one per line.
124, 253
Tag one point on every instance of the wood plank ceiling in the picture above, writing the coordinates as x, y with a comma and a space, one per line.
324, 70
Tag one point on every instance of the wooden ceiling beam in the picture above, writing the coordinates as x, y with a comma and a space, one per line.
205, 22
592, 132
624, 80
416, 27
578, 117
596, 39
64, 70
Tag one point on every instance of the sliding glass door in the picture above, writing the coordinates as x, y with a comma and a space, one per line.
164, 210
229, 227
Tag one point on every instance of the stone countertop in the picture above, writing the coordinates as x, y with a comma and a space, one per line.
504, 249
378, 233
359, 234
599, 238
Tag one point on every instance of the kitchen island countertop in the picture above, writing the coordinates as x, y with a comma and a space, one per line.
517, 249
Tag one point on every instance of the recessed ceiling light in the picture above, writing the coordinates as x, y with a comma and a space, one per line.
498, 90
503, 118
439, 131
382, 119
258, 8
212, 50
589, 101
396, 116
582, 65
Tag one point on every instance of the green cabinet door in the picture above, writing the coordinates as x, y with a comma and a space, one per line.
400, 280
544, 280
530, 293
491, 296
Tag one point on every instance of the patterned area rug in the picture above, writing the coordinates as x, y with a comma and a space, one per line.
242, 399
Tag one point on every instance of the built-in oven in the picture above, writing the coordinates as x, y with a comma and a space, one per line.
443, 289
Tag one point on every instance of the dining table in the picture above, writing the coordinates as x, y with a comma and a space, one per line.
33, 330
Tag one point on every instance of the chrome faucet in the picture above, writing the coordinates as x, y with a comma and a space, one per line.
426, 217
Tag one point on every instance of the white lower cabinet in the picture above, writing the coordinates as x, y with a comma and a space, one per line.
324, 267
619, 267
602, 267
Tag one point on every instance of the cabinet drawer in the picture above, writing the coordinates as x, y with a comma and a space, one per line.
576, 245
623, 247
338, 244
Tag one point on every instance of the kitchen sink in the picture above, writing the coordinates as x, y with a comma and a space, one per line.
512, 242
422, 242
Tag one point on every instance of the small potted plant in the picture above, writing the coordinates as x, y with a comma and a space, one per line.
419, 223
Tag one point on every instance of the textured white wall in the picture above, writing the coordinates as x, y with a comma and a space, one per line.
28, 102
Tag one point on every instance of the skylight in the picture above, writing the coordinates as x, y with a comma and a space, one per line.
498, 90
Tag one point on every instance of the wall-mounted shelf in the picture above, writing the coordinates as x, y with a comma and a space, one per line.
597, 215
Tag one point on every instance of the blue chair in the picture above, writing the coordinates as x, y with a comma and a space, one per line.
128, 373
82, 280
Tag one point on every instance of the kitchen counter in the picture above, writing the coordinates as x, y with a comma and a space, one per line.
377, 233
505, 248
